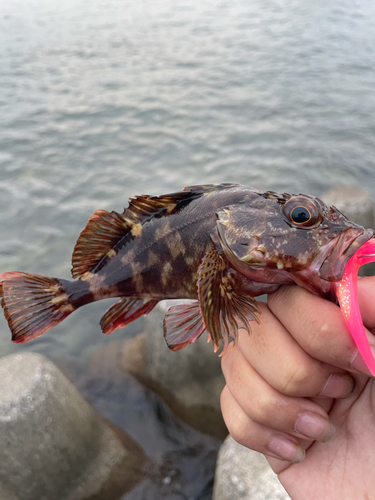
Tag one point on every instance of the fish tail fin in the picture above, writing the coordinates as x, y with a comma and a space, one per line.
32, 304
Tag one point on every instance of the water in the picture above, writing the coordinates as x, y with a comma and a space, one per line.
102, 100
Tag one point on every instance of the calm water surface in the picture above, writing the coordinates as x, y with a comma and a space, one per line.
103, 100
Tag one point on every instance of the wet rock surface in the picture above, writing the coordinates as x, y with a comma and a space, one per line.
355, 203
245, 474
53, 444
181, 460
189, 380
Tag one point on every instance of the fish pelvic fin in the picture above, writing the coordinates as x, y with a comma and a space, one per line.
32, 304
224, 307
124, 311
183, 324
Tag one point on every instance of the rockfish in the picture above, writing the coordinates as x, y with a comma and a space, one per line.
222, 245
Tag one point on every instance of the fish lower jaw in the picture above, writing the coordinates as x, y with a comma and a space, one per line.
341, 249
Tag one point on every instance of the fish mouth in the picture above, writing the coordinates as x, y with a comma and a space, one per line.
340, 250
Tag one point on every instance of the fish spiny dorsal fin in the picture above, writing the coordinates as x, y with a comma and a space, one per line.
102, 232
144, 207
105, 229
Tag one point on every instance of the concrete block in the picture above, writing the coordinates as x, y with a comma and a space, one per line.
190, 380
53, 444
193, 373
245, 474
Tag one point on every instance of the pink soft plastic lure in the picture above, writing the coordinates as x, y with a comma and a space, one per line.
348, 299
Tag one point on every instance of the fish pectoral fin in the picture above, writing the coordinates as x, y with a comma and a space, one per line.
183, 324
224, 307
124, 312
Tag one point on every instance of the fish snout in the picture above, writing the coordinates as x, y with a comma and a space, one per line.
347, 243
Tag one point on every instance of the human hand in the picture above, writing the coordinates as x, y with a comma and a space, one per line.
299, 392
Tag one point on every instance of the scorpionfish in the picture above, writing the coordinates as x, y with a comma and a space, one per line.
221, 245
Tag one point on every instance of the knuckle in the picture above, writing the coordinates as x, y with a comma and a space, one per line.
237, 421
238, 428
265, 407
229, 366
296, 382
225, 362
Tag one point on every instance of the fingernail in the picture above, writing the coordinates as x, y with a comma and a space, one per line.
314, 426
338, 386
285, 449
359, 364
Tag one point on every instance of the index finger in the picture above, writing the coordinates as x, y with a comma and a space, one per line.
318, 327
278, 358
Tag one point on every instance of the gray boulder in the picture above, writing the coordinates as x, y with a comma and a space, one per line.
190, 380
245, 474
53, 444
355, 203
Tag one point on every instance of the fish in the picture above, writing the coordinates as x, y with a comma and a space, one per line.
219, 245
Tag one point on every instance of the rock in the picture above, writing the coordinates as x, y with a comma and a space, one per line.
189, 380
193, 373
246, 474
358, 206
355, 203
53, 444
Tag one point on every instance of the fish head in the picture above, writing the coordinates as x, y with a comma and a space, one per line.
282, 238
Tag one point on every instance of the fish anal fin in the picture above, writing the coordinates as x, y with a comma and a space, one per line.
183, 324
102, 232
124, 311
225, 307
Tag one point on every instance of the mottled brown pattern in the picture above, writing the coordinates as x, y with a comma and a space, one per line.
221, 244
165, 255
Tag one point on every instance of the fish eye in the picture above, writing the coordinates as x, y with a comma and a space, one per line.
300, 215
302, 211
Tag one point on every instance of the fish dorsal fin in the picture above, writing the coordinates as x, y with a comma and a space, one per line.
102, 232
105, 229
143, 207
224, 307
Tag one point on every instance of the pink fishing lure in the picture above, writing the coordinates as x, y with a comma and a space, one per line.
348, 299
